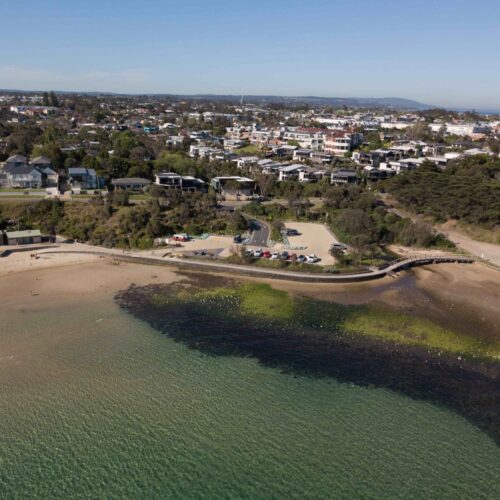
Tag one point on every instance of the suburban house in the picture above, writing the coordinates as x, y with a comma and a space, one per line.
197, 151
234, 187
82, 178
245, 162
321, 157
311, 174
131, 183
283, 150
302, 154
374, 174
340, 143
18, 173
232, 144
22, 176
175, 140
187, 183
343, 176
22, 237
291, 172
308, 138
44, 165
461, 129
16, 161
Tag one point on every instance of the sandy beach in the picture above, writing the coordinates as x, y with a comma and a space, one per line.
69, 278
468, 294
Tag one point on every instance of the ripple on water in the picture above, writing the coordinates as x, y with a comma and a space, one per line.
115, 409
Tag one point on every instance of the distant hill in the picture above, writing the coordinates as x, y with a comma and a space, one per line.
350, 102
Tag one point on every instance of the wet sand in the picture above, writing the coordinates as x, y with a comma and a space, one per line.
46, 287
466, 295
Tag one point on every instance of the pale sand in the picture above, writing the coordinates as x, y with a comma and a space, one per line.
487, 251
19, 262
45, 287
61, 277
316, 238
224, 243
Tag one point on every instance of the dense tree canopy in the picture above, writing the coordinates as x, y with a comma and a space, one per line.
468, 190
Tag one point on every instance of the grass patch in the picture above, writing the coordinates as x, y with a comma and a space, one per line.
251, 149
405, 329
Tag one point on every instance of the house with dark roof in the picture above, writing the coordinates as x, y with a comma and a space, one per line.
44, 165
16, 161
343, 176
41, 161
82, 178
131, 183
22, 176
170, 180
234, 187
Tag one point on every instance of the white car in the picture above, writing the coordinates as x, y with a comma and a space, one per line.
275, 255
312, 259
258, 253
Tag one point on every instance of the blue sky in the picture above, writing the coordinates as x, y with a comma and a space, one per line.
442, 52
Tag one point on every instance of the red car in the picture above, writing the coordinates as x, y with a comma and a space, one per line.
266, 254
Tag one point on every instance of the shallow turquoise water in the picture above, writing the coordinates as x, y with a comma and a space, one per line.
94, 403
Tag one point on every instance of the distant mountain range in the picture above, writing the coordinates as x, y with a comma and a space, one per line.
351, 102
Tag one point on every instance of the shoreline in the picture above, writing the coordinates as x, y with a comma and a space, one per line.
473, 285
18, 261
99, 280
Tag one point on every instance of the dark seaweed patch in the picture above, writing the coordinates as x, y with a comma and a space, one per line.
215, 327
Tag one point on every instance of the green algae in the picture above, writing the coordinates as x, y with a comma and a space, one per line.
263, 302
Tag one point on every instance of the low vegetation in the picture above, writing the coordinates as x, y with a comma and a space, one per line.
112, 222
468, 190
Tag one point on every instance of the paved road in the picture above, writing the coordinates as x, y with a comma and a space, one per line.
260, 234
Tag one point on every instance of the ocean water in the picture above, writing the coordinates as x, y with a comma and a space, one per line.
94, 403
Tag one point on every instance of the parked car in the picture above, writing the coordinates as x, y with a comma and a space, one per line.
258, 253
181, 237
284, 255
266, 254
312, 259
293, 257
292, 232
237, 239
339, 246
275, 255
249, 253
301, 259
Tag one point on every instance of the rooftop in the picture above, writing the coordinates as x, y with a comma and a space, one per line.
23, 234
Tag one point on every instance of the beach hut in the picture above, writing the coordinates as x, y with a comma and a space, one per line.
23, 237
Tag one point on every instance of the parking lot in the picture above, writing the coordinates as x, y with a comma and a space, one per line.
217, 245
313, 239
316, 239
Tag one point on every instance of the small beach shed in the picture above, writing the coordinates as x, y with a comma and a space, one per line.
23, 237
